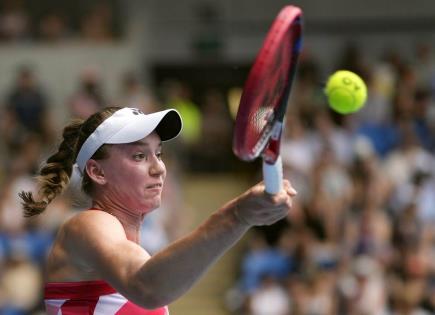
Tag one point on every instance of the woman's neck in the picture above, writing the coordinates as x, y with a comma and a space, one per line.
131, 220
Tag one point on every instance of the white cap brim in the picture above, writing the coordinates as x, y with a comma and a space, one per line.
128, 125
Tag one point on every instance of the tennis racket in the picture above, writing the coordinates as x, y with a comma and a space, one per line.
263, 104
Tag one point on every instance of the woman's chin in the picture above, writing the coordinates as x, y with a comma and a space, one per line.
151, 206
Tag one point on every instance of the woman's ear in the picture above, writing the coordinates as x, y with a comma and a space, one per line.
95, 172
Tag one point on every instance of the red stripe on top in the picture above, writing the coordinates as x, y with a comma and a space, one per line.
79, 307
74, 290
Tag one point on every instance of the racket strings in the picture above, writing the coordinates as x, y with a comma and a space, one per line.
262, 141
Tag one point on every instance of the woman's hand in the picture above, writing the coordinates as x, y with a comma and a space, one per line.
256, 207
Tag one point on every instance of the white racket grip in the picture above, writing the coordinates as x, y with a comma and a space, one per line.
272, 175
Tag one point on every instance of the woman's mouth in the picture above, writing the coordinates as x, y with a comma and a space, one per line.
154, 186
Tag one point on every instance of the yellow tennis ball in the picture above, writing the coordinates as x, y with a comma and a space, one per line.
346, 92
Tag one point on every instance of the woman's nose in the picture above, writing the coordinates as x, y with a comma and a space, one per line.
157, 167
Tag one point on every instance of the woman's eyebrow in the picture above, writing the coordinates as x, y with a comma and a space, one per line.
143, 143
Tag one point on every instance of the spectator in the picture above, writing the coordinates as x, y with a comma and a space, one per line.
214, 146
27, 108
269, 299
178, 96
89, 97
263, 261
96, 25
53, 27
363, 290
134, 94
14, 21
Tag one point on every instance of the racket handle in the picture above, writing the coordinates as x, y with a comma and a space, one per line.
272, 175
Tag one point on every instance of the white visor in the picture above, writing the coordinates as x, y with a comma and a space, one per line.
128, 125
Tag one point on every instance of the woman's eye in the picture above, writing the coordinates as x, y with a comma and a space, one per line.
159, 155
139, 156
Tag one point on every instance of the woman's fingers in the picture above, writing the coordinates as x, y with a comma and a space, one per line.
289, 188
256, 207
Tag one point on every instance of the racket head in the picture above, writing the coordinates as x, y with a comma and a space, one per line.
264, 98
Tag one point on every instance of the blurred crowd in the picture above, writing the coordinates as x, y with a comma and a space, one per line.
51, 22
360, 239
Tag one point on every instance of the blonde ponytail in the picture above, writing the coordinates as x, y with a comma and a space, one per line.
55, 175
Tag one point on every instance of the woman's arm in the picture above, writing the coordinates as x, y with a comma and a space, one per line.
98, 240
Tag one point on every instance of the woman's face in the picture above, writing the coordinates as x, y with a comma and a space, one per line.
134, 174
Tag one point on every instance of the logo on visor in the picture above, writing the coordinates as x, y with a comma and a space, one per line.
137, 111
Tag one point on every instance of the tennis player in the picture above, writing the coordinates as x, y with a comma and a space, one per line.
96, 265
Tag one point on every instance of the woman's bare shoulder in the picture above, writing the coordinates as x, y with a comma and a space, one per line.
89, 223
77, 239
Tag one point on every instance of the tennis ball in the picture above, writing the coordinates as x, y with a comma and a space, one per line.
346, 92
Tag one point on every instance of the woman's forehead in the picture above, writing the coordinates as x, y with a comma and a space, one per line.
152, 141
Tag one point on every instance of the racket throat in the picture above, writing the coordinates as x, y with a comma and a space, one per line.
272, 149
